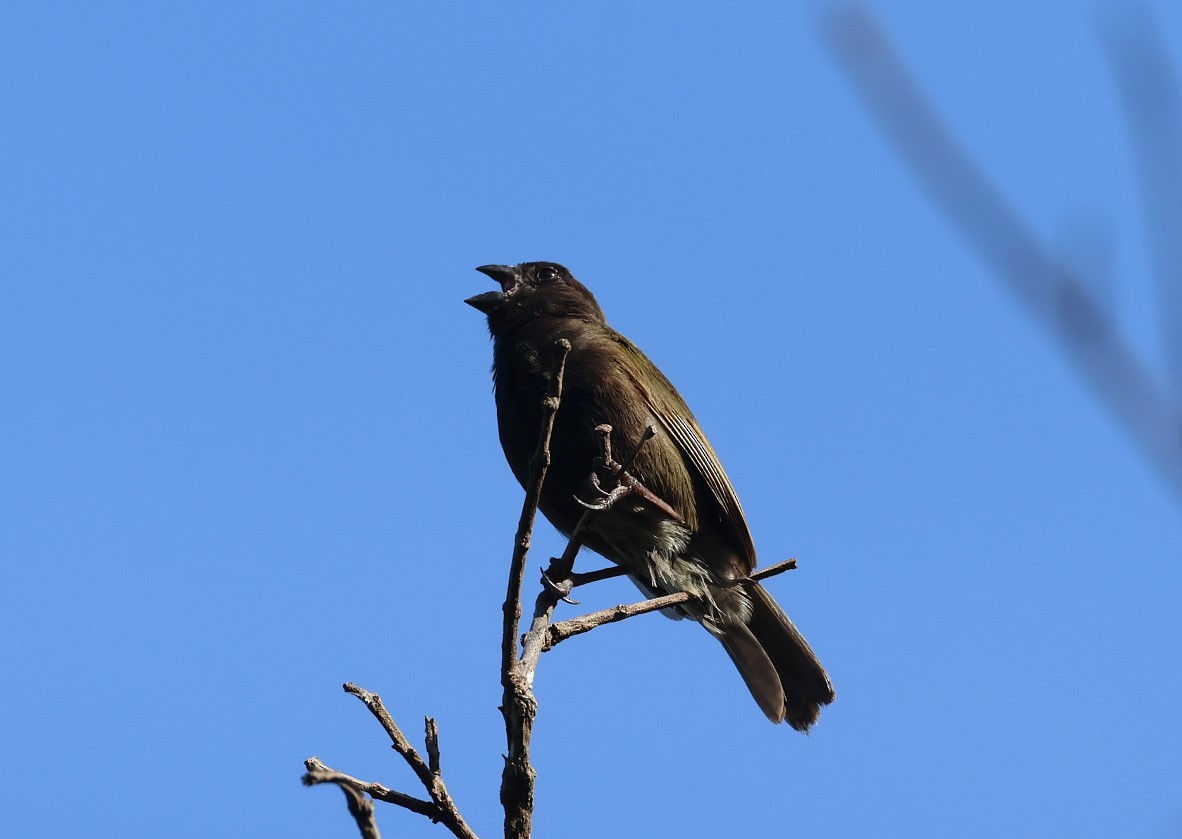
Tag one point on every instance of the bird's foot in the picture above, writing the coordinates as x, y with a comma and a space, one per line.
607, 500
562, 589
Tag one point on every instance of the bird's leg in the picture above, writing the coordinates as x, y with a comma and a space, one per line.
607, 500
562, 587
595, 576
560, 578
625, 483
605, 462
574, 580
649, 433
632, 486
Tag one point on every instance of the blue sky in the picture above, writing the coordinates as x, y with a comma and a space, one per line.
250, 452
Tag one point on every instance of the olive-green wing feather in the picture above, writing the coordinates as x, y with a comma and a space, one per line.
678, 422
689, 439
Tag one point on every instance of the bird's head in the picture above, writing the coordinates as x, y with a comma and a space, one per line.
530, 291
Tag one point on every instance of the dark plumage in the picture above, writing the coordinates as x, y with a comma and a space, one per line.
608, 380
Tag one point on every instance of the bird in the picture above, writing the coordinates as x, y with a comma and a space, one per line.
693, 536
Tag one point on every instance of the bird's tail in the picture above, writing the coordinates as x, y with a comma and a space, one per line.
780, 669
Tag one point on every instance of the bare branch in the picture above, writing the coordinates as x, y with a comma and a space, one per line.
559, 632
518, 704
361, 809
432, 740
589, 577
538, 466
774, 569
318, 773
444, 809
557, 586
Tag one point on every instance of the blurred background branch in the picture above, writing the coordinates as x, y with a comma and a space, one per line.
1148, 86
1146, 404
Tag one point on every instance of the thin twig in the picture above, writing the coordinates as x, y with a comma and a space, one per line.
445, 810
318, 773
431, 738
774, 570
556, 633
361, 809
557, 587
574, 579
559, 632
518, 704
612, 571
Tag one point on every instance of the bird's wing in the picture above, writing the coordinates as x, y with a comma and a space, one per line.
678, 422
691, 441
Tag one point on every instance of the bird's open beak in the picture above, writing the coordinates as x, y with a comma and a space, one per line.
487, 302
506, 275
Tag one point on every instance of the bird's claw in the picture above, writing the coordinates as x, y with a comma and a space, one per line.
560, 590
597, 482
597, 485
609, 498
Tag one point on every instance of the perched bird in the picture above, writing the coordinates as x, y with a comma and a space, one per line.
697, 540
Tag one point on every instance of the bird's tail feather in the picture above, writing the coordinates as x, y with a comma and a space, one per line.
780, 669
